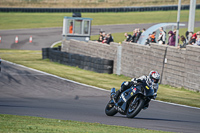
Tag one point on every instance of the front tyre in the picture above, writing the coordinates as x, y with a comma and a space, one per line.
135, 107
110, 109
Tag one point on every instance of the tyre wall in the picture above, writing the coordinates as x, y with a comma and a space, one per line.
178, 67
93, 49
84, 62
95, 10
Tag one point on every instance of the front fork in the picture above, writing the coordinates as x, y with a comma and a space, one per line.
146, 103
112, 94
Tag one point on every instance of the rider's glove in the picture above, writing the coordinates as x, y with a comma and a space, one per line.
134, 80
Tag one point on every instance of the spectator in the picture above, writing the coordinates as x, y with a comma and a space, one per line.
190, 38
128, 37
172, 38
100, 39
198, 39
104, 40
133, 39
187, 35
162, 36
175, 35
109, 38
153, 38
174, 31
193, 39
138, 33
148, 40
103, 35
100, 36
143, 30
184, 41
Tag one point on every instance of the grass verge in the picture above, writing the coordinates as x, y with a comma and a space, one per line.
41, 20
29, 124
34, 60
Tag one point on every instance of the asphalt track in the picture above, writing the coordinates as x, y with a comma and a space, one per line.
32, 93
44, 37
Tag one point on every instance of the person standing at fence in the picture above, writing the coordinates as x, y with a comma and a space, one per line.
171, 39
128, 37
198, 39
100, 36
153, 37
134, 36
109, 38
162, 36
184, 41
138, 33
148, 40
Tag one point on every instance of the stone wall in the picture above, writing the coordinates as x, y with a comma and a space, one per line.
174, 68
192, 68
178, 67
139, 59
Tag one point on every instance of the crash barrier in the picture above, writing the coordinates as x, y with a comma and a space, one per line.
178, 67
93, 10
84, 62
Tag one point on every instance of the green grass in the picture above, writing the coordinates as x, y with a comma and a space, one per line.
34, 60
41, 20
28, 124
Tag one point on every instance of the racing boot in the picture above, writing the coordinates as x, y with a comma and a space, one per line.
116, 96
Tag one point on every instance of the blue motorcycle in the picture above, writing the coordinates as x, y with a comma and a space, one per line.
131, 101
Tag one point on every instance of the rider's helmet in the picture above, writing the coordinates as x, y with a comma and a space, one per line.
154, 76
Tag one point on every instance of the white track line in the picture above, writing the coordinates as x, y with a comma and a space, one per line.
175, 104
90, 85
55, 44
54, 75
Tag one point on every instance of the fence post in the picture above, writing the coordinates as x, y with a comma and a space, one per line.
163, 67
119, 55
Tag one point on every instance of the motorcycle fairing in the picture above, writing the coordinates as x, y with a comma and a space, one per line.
128, 95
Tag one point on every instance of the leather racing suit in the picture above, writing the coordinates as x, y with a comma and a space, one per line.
128, 84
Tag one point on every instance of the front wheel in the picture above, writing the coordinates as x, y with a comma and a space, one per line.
110, 109
135, 107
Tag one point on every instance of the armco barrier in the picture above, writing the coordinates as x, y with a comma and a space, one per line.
93, 10
84, 62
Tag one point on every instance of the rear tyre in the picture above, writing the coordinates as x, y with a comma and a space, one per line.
134, 108
110, 109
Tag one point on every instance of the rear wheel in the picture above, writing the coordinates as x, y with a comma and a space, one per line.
110, 109
135, 107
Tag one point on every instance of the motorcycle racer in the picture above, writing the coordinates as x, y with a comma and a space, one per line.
152, 81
